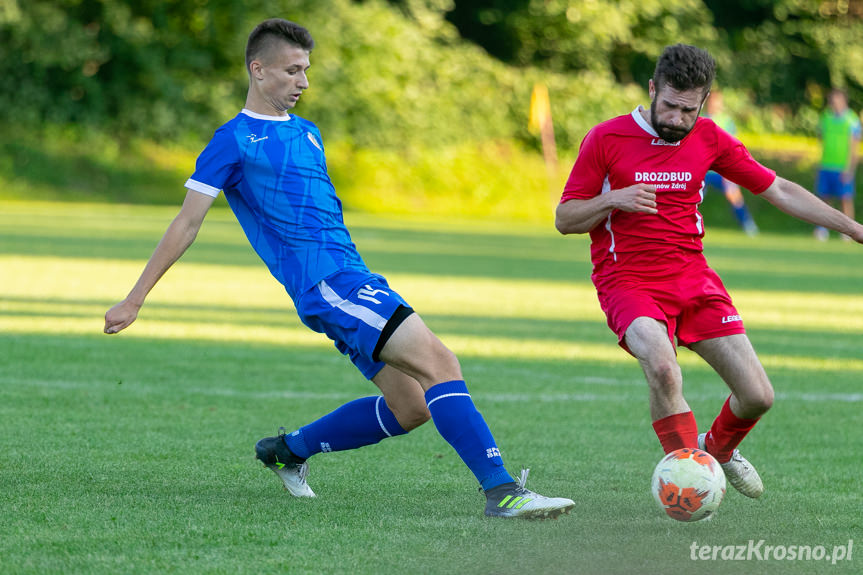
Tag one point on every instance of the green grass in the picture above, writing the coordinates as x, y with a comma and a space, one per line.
133, 453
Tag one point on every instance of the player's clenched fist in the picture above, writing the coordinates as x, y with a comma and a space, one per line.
120, 316
635, 198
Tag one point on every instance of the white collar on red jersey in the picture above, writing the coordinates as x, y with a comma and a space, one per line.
645, 125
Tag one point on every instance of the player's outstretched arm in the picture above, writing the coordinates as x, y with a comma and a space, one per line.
177, 239
796, 201
581, 216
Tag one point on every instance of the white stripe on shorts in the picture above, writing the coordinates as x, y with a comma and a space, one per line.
363, 314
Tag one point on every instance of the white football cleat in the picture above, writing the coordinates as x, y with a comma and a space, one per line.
292, 470
739, 472
516, 501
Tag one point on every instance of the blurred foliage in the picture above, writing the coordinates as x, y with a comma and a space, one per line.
793, 49
144, 66
624, 37
400, 73
491, 179
381, 78
422, 103
494, 179
781, 55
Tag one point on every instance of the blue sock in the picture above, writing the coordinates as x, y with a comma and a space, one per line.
459, 422
357, 423
742, 214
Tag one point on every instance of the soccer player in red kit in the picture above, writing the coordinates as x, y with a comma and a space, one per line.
636, 187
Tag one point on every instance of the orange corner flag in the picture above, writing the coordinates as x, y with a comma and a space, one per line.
540, 109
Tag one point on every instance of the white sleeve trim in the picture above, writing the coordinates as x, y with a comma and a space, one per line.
202, 188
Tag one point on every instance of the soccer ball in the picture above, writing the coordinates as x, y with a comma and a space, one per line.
688, 484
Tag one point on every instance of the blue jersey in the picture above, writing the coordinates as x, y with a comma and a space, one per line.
274, 175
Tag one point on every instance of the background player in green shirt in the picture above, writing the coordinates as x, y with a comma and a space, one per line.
839, 132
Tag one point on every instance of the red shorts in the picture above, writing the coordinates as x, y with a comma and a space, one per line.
692, 303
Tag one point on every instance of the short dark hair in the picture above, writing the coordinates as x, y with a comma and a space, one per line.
276, 29
684, 67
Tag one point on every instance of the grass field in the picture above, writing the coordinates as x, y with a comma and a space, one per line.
133, 453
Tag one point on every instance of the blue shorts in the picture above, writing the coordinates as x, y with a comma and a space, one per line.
352, 308
830, 185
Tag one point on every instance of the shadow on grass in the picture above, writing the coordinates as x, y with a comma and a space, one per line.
773, 341
264, 316
122, 248
474, 255
404, 253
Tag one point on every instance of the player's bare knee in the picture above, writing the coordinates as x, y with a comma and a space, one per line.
755, 403
763, 398
762, 401
662, 374
449, 360
445, 366
413, 416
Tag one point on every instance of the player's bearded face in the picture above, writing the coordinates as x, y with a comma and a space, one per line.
668, 132
673, 113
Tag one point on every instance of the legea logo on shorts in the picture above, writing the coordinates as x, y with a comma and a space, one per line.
731, 319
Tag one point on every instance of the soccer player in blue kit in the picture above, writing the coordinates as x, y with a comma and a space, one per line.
271, 166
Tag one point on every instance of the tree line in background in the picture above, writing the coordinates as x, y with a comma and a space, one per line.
776, 49
401, 74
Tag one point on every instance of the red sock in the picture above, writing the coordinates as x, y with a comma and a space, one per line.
677, 431
726, 433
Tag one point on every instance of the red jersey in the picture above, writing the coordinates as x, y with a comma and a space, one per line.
626, 150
